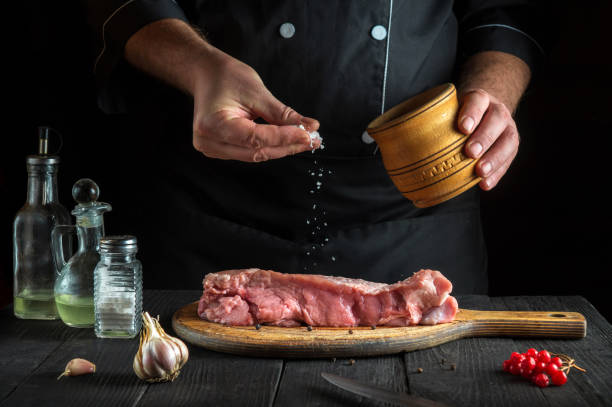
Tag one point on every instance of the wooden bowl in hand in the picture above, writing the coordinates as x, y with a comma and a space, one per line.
422, 148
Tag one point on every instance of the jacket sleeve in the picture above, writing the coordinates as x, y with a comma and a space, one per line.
515, 27
113, 22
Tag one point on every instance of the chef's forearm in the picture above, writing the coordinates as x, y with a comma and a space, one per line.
169, 49
499, 74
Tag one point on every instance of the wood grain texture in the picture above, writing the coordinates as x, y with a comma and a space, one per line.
477, 378
594, 353
302, 384
299, 342
34, 352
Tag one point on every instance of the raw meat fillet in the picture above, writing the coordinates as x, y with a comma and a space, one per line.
252, 296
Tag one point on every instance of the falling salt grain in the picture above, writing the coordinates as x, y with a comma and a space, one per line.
333, 258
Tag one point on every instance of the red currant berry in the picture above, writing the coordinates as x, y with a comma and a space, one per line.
506, 365
515, 369
532, 352
514, 356
551, 368
518, 358
557, 361
539, 367
526, 373
528, 364
541, 380
558, 378
544, 356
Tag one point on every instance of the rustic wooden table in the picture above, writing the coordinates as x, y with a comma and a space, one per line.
34, 353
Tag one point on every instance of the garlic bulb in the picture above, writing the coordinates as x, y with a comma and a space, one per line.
160, 356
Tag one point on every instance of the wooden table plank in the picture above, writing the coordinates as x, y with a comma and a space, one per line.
302, 384
33, 353
477, 379
22, 349
594, 352
216, 379
210, 378
114, 382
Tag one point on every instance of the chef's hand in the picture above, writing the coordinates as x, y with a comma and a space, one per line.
228, 96
493, 139
490, 87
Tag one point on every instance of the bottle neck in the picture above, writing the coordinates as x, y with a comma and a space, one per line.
42, 187
89, 237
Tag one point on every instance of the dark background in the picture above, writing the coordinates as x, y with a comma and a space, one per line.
546, 224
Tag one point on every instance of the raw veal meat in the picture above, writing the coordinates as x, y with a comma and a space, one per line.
252, 296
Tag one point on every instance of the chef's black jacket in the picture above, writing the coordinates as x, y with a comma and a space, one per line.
334, 211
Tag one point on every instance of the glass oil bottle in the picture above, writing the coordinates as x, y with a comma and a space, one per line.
74, 285
33, 266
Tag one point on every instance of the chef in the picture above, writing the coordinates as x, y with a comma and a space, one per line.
242, 184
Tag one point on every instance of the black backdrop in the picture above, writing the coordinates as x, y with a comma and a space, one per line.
546, 225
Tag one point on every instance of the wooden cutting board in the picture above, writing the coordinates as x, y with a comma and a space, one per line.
299, 342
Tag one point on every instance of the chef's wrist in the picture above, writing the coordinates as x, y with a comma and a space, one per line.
169, 50
499, 74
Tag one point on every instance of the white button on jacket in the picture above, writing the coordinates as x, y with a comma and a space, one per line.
287, 30
379, 32
366, 138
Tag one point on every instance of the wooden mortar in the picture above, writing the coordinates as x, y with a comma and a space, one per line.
422, 148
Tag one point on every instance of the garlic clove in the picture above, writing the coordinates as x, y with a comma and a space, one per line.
160, 358
77, 367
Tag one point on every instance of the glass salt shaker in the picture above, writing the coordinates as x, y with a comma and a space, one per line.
118, 288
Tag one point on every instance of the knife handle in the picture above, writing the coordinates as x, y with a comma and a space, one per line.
558, 324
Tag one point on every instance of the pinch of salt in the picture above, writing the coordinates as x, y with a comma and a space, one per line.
314, 135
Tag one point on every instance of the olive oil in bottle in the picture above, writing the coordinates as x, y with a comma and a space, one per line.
76, 311
35, 304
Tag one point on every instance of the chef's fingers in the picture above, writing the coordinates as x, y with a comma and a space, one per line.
491, 181
274, 111
225, 151
496, 161
227, 127
474, 105
494, 122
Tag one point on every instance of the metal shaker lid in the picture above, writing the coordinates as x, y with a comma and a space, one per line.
118, 244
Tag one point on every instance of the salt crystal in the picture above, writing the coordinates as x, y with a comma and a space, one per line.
314, 135
333, 258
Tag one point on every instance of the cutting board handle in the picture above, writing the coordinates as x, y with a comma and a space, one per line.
559, 324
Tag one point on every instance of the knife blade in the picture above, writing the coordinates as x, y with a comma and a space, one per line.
376, 393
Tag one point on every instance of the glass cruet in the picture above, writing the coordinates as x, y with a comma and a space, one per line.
74, 285
33, 266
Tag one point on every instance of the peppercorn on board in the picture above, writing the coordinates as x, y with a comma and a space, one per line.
319, 342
